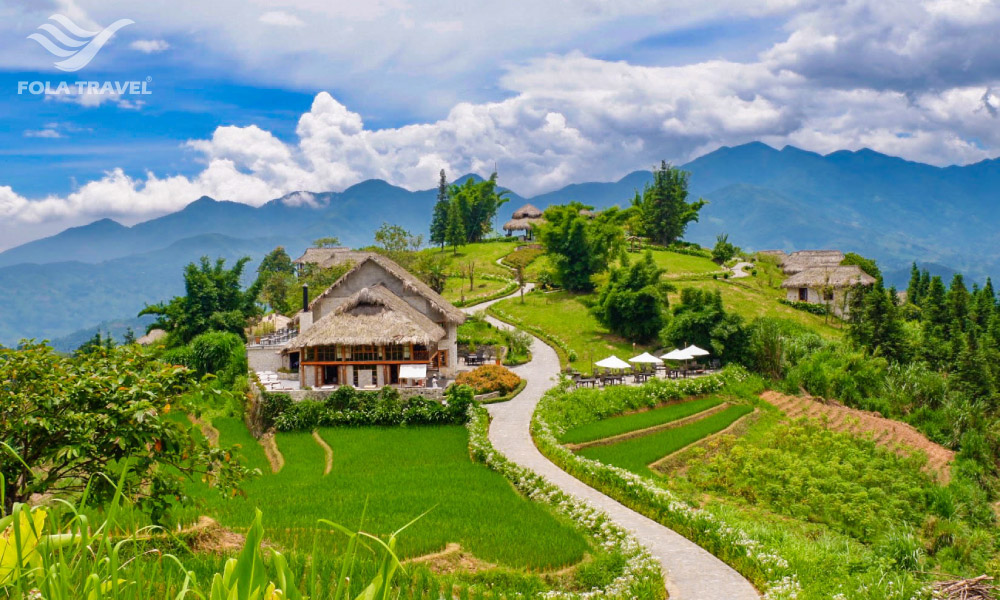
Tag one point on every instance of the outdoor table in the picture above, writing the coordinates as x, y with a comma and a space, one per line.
641, 377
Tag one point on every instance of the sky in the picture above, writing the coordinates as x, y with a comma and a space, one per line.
250, 100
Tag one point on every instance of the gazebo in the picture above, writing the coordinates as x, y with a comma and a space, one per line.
524, 219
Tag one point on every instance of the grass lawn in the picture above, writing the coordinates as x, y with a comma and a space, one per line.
484, 254
637, 454
566, 318
538, 266
677, 264
388, 477
640, 420
457, 288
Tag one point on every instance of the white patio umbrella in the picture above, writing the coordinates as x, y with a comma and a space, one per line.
696, 351
645, 358
612, 362
677, 355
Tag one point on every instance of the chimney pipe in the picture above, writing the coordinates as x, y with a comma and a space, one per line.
305, 297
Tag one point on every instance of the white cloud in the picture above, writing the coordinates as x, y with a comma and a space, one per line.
45, 132
149, 46
280, 19
910, 79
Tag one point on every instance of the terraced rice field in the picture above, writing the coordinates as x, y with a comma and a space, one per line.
390, 476
636, 421
897, 436
650, 445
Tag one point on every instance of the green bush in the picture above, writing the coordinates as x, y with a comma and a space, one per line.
347, 406
815, 309
220, 353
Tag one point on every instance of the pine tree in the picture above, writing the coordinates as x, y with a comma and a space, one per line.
439, 222
913, 289
878, 326
957, 303
663, 207
455, 232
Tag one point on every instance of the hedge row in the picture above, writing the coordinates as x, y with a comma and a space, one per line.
351, 407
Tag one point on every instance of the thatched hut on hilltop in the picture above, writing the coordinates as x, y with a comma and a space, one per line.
829, 285
524, 219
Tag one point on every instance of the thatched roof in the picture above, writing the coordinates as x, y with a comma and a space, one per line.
374, 315
527, 212
839, 276
521, 224
152, 337
315, 256
409, 281
797, 262
587, 213
328, 257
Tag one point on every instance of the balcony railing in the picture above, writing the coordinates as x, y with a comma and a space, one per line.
278, 338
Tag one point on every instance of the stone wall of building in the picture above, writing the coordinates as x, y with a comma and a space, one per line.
264, 359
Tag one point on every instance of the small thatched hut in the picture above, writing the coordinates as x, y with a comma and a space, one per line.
524, 219
797, 262
826, 285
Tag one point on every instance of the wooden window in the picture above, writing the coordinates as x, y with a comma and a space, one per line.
803, 294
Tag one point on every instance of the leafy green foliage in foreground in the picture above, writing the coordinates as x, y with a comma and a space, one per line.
71, 420
638, 453
388, 476
639, 420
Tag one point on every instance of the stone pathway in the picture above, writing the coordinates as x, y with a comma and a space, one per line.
690, 572
739, 270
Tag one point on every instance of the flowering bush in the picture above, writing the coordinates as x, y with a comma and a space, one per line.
490, 378
640, 576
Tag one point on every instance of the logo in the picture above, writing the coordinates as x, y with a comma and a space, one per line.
73, 43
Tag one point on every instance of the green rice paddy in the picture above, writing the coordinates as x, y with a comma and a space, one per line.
381, 480
638, 453
606, 428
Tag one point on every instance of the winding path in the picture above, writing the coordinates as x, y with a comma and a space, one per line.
690, 572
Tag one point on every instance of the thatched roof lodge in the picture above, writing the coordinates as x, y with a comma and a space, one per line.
371, 322
829, 285
797, 262
524, 219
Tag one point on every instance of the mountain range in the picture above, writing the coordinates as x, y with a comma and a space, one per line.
890, 209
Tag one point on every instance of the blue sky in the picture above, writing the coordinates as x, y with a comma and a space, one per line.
251, 99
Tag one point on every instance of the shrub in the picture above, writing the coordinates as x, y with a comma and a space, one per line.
354, 408
220, 353
490, 378
809, 307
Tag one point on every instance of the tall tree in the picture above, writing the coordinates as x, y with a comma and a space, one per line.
214, 300
326, 242
913, 288
663, 207
580, 247
633, 301
439, 222
877, 325
455, 234
477, 203
277, 261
